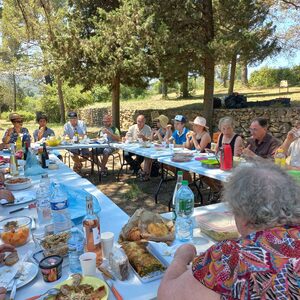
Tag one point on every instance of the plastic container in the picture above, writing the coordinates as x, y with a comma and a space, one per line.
119, 264
184, 208
15, 231
51, 268
218, 225
60, 214
43, 204
76, 248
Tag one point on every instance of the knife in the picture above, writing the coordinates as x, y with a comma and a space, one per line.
113, 289
21, 208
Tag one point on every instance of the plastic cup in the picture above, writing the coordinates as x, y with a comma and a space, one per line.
107, 241
171, 147
88, 263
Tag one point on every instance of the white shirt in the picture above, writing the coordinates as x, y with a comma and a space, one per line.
134, 131
70, 130
294, 152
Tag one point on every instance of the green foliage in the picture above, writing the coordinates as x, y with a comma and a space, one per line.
271, 77
74, 98
27, 116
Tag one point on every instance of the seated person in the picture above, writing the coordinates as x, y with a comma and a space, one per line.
179, 135
264, 262
199, 138
227, 136
11, 134
137, 131
113, 135
43, 131
291, 147
162, 134
76, 128
261, 144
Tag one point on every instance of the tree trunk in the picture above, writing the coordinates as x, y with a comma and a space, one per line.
224, 75
245, 74
209, 75
116, 83
232, 74
61, 101
164, 89
184, 87
14, 92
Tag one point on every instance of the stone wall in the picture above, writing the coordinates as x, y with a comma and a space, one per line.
281, 119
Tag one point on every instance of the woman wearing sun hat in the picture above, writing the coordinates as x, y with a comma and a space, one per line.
199, 138
162, 133
11, 134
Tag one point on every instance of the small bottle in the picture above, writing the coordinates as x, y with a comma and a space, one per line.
59, 208
76, 136
19, 143
177, 187
43, 204
46, 181
184, 210
76, 248
280, 158
13, 166
91, 228
44, 157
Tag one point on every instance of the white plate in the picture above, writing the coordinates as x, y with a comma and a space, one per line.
29, 272
18, 186
20, 200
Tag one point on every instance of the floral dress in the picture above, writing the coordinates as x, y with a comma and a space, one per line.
264, 265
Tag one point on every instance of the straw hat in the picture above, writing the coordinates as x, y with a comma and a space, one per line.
199, 121
15, 116
163, 120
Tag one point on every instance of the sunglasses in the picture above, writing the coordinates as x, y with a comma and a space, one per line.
19, 122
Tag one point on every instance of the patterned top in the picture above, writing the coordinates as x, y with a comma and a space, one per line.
70, 130
264, 265
14, 135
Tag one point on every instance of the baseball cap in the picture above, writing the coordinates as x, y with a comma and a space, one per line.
72, 115
180, 118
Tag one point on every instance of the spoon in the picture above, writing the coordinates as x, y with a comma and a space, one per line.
46, 295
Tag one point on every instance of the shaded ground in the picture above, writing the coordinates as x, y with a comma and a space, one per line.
130, 193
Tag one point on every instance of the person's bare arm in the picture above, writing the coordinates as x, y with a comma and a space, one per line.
288, 140
205, 140
238, 146
179, 282
6, 137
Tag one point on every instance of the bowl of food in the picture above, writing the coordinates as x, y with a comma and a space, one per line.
53, 141
15, 231
17, 183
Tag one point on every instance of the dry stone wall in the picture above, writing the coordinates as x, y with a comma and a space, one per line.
281, 119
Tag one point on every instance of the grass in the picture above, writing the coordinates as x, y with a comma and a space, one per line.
156, 103
134, 191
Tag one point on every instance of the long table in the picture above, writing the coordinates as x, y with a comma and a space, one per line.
112, 218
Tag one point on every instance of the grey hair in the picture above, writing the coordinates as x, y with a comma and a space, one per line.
264, 195
227, 120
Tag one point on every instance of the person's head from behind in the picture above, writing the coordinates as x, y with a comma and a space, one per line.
226, 126
140, 121
259, 128
262, 195
107, 120
73, 118
42, 120
179, 122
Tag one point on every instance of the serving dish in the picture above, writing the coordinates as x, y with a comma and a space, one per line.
15, 231
17, 183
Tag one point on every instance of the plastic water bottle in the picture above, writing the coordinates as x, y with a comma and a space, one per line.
59, 208
43, 204
76, 248
177, 187
184, 209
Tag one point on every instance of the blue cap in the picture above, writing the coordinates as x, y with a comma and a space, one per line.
180, 118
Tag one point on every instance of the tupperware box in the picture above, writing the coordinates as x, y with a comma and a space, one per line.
218, 225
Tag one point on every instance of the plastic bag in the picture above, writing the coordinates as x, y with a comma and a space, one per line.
32, 166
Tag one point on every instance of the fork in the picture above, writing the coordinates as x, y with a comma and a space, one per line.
14, 287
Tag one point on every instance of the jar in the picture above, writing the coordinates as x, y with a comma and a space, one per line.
51, 268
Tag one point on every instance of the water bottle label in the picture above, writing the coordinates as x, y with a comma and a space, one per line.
59, 205
185, 207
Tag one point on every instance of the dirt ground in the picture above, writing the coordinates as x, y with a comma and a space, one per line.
129, 193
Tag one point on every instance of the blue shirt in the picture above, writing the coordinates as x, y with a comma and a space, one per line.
180, 139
